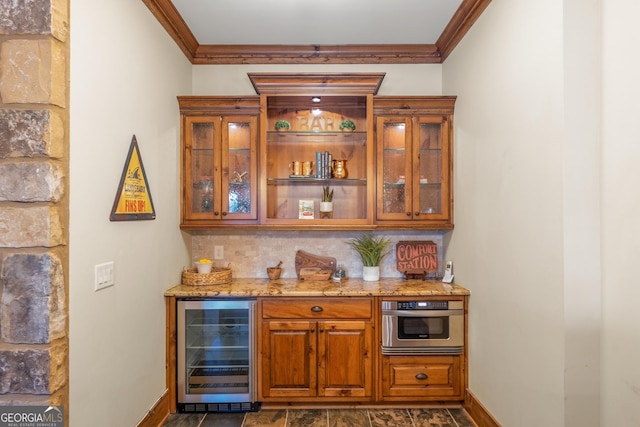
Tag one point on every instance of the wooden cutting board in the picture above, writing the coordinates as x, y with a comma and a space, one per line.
314, 267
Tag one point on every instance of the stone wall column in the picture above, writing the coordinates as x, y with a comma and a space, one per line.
34, 203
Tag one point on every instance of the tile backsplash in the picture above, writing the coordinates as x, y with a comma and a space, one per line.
249, 253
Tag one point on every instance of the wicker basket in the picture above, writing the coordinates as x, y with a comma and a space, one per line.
218, 276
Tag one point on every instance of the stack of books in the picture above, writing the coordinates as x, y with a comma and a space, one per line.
323, 165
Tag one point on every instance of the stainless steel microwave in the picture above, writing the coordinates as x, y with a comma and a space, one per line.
422, 327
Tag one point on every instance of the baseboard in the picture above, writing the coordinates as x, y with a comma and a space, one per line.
478, 412
158, 413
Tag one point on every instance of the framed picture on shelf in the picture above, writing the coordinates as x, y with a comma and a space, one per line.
305, 209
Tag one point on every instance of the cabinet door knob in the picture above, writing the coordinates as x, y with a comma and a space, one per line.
417, 214
216, 213
408, 213
224, 213
316, 309
321, 330
421, 376
313, 330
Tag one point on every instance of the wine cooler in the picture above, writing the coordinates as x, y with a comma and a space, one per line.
216, 348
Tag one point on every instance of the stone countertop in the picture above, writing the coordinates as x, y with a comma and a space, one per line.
300, 288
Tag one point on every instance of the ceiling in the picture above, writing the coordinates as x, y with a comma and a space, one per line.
332, 31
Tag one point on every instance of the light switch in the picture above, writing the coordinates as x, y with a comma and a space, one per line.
104, 275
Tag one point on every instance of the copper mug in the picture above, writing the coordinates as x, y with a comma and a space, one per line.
295, 168
307, 168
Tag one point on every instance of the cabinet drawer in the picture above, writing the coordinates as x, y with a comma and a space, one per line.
317, 308
421, 376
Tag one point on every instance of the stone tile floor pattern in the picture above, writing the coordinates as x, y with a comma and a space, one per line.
420, 417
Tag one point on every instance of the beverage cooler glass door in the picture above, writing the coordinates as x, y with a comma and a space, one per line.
215, 351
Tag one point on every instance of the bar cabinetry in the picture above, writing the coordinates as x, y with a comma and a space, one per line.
316, 140
315, 152
316, 349
414, 161
219, 160
239, 168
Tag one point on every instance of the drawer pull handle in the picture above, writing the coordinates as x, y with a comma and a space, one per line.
421, 376
316, 309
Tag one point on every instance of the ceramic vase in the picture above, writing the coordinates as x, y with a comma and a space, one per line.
371, 274
204, 267
326, 210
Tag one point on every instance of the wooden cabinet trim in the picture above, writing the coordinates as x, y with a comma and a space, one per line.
443, 379
316, 83
318, 308
339, 362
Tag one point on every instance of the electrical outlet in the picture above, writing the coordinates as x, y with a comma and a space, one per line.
218, 252
104, 275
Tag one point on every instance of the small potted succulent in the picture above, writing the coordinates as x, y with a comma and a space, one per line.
347, 126
371, 250
282, 125
326, 205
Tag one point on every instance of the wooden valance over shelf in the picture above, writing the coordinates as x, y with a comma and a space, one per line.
316, 83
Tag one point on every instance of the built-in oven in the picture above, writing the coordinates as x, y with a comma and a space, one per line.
422, 326
216, 355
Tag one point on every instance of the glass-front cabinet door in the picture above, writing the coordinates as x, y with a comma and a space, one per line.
430, 157
239, 168
413, 169
220, 169
394, 159
201, 155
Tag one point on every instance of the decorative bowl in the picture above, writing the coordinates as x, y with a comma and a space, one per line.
274, 272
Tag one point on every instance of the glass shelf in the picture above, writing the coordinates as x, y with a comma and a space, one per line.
318, 181
313, 136
298, 133
402, 184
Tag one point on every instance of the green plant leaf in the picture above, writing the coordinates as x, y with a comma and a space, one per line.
327, 194
371, 249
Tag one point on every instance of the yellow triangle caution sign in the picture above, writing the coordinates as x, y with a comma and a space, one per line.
133, 200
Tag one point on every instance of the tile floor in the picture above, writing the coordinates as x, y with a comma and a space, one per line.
423, 417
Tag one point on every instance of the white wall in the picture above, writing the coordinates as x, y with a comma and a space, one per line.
125, 75
508, 243
423, 79
582, 211
620, 215
583, 104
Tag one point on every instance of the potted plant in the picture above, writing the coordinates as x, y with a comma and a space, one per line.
347, 126
282, 125
371, 250
326, 205
204, 265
